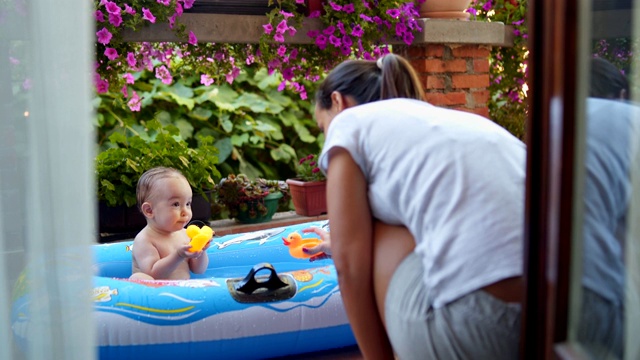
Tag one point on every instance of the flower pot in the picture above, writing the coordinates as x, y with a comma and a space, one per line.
309, 197
252, 216
445, 9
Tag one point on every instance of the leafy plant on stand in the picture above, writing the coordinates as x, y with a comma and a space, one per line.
239, 194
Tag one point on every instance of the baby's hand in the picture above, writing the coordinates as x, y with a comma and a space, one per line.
185, 253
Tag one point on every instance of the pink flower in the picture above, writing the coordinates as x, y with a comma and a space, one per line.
349, 8
99, 16
192, 38
115, 19
131, 59
315, 14
268, 28
282, 85
234, 74
104, 36
128, 78
287, 74
111, 53
163, 74
188, 4
278, 37
357, 31
129, 10
335, 6
164, 2
147, 15
394, 13
282, 27
135, 102
125, 91
282, 50
112, 8
206, 80
285, 14
102, 86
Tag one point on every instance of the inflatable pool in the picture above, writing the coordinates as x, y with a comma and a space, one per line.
255, 301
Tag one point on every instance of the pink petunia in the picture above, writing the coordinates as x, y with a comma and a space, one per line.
125, 91
315, 14
357, 31
163, 74
335, 6
131, 59
278, 37
188, 4
112, 7
348, 8
233, 75
282, 85
164, 2
129, 10
285, 14
115, 19
111, 53
193, 40
282, 50
135, 102
206, 80
147, 15
268, 28
104, 36
282, 27
102, 86
128, 78
99, 16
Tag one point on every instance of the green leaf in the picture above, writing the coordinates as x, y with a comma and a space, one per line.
185, 127
224, 149
201, 114
226, 123
239, 140
284, 153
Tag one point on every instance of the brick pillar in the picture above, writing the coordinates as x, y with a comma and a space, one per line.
454, 76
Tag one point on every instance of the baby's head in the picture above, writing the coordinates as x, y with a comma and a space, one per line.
147, 189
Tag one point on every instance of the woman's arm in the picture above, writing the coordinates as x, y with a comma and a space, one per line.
352, 252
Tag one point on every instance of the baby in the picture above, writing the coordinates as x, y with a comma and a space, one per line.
161, 249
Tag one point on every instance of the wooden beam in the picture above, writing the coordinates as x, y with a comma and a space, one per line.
247, 29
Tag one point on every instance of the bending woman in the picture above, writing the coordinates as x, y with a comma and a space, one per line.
426, 209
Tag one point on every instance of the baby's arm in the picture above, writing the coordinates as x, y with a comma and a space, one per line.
150, 263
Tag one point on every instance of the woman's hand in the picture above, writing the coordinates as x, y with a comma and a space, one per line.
321, 251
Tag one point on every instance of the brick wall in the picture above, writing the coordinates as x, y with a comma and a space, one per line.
454, 76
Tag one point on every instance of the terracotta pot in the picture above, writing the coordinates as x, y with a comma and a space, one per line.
309, 197
445, 9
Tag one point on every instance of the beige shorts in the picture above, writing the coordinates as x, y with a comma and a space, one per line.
475, 326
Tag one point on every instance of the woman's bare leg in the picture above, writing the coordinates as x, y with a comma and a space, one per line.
391, 244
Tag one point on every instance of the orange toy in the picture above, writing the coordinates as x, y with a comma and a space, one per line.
296, 243
199, 236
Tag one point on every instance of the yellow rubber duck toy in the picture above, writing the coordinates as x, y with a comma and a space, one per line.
296, 243
199, 236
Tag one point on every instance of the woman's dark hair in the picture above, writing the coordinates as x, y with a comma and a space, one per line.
392, 76
607, 81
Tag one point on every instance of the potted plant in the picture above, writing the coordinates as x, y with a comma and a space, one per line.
119, 167
309, 188
251, 201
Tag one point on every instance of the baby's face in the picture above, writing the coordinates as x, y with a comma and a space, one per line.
171, 203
